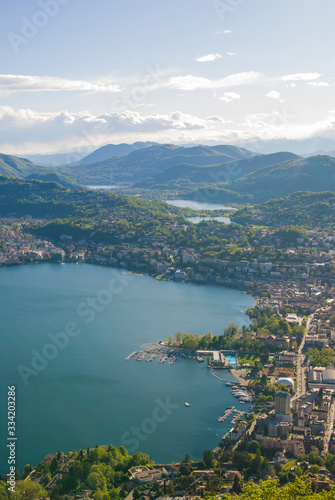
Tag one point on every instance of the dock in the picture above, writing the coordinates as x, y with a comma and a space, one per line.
229, 412
131, 355
226, 414
164, 358
216, 376
151, 358
141, 356
173, 360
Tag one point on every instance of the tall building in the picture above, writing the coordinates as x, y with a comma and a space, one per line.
282, 402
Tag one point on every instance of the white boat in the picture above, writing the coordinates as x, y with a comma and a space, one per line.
187, 404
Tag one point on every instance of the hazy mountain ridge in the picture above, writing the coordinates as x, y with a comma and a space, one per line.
63, 180
17, 167
316, 173
188, 169
113, 150
148, 162
187, 175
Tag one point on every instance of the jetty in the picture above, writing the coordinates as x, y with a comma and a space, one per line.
216, 376
239, 414
141, 356
226, 414
131, 355
164, 358
151, 358
172, 360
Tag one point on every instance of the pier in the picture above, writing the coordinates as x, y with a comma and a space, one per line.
229, 412
216, 376
226, 414
151, 358
131, 355
141, 356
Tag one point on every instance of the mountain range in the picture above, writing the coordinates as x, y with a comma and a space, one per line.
229, 173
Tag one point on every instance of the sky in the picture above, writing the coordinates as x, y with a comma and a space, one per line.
77, 74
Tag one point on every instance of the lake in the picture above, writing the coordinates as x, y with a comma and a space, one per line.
65, 333
198, 205
196, 220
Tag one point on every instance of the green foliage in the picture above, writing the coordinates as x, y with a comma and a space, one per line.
323, 357
301, 488
208, 458
298, 209
299, 174
104, 470
49, 176
28, 490
17, 167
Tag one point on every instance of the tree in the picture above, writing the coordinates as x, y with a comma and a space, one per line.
208, 458
26, 471
185, 466
298, 471
237, 488
314, 469
264, 357
28, 490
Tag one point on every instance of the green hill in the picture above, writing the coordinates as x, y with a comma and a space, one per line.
217, 195
188, 176
61, 179
316, 173
151, 161
112, 151
18, 167
300, 209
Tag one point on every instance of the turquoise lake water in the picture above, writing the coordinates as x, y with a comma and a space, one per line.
83, 392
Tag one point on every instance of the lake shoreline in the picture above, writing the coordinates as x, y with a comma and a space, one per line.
91, 372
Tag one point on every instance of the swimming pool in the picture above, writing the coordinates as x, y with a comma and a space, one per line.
231, 359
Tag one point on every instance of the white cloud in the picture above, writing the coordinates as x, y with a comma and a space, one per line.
274, 94
301, 77
318, 84
217, 119
224, 32
229, 97
231, 54
23, 83
208, 57
277, 125
191, 82
17, 128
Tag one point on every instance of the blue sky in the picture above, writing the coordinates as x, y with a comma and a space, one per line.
77, 73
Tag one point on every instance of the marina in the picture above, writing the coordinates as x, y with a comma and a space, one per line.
151, 358
229, 411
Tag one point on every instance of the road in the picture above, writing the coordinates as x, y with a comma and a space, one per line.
329, 429
300, 370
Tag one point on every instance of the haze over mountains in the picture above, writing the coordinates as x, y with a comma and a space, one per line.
231, 172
